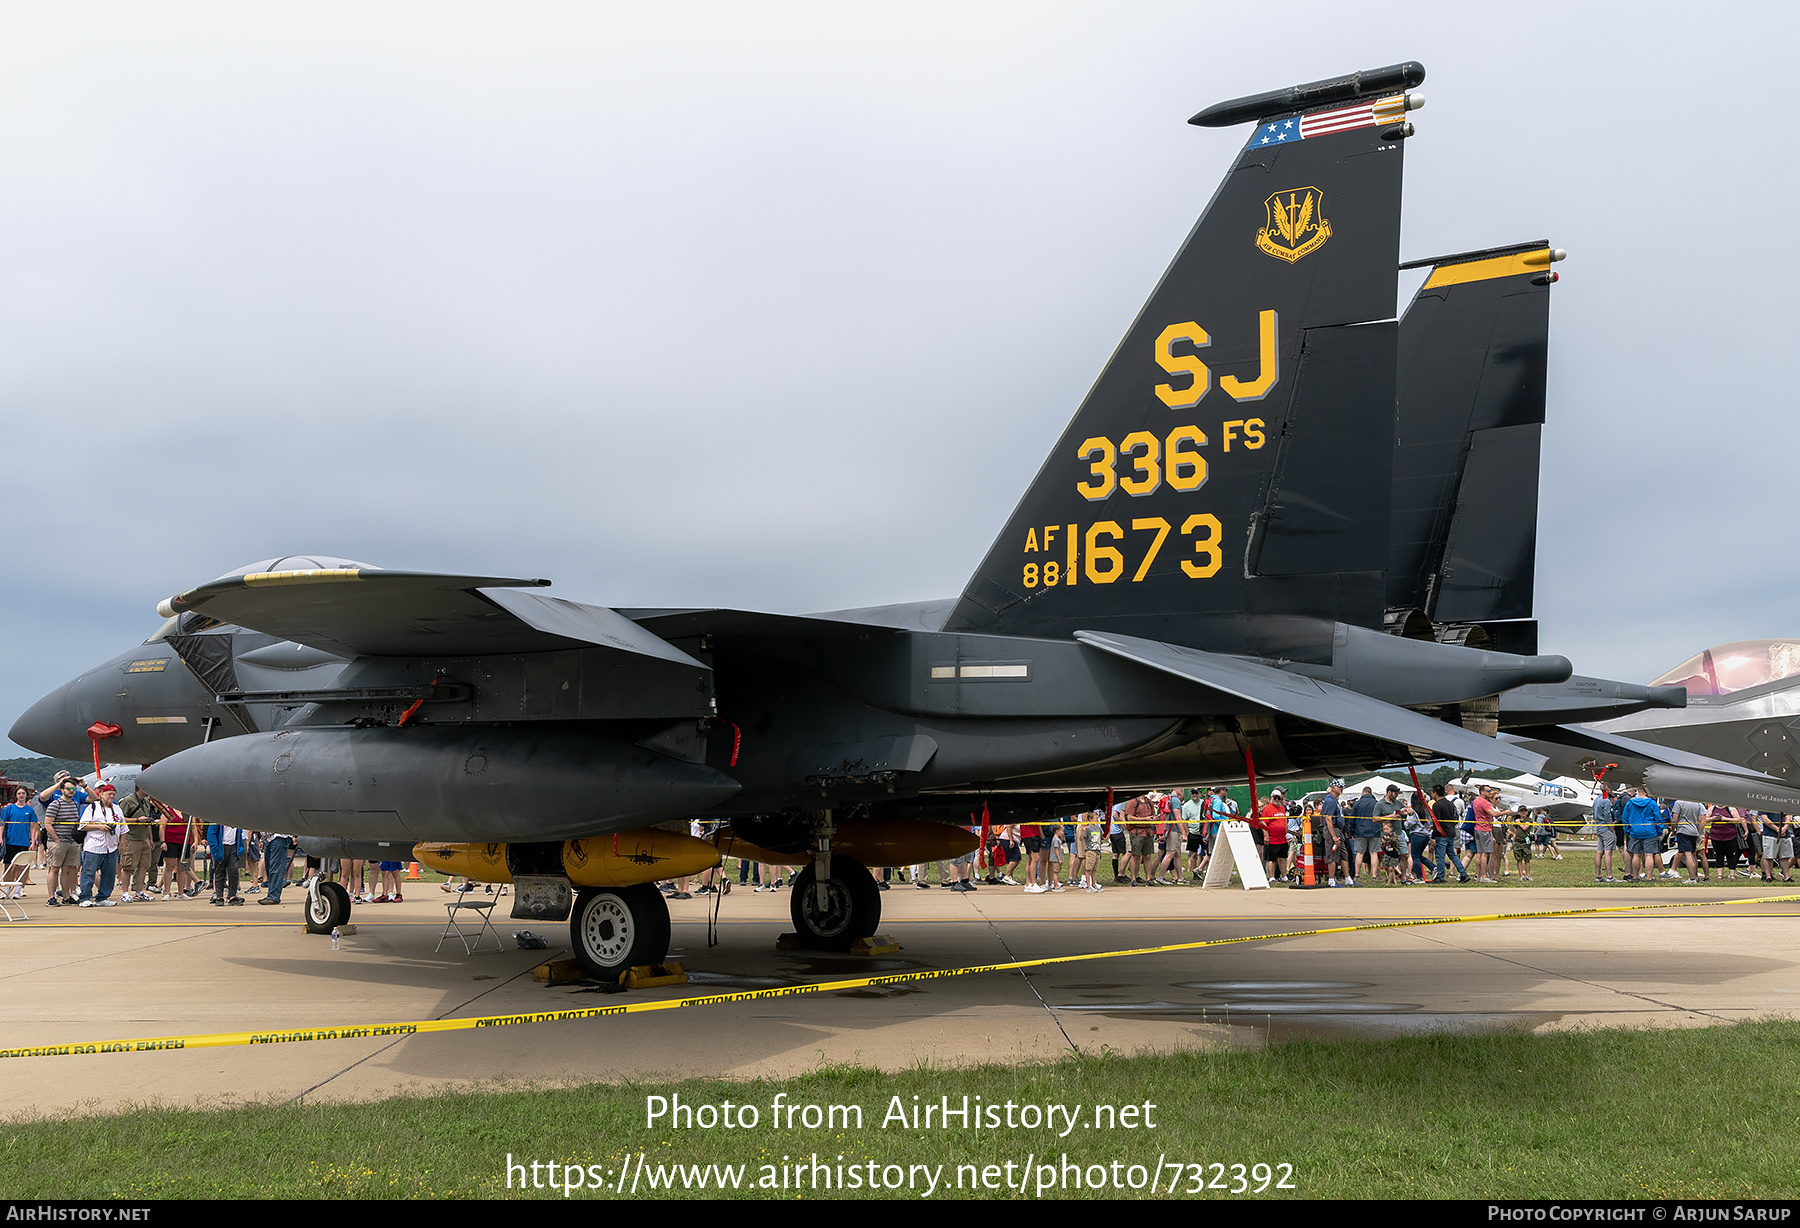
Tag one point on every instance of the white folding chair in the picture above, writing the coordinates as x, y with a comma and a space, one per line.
481, 908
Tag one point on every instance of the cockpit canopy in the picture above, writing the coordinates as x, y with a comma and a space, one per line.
1735, 667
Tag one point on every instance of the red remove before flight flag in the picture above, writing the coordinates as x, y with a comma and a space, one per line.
98, 732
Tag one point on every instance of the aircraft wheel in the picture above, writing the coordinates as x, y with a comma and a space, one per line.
330, 909
854, 910
614, 929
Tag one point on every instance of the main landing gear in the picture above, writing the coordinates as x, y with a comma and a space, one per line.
614, 929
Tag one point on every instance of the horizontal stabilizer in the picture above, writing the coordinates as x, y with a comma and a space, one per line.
1295, 695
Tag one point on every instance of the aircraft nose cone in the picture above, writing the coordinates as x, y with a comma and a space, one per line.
49, 727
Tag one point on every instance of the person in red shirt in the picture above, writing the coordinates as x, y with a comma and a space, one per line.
1275, 837
1486, 859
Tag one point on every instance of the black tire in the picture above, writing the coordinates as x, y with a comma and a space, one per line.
330, 910
855, 910
615, 929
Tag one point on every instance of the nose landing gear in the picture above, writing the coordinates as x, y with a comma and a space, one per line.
851, 910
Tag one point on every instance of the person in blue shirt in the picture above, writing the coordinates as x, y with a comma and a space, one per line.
1643, 820
21, 823
1365, 833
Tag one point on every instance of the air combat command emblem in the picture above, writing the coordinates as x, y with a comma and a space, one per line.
1297, 224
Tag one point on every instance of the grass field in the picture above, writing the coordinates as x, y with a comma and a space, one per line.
1703, 1113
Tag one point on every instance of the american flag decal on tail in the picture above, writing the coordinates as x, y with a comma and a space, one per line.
1381, 112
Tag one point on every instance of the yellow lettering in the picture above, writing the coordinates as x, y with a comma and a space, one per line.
1074, 542
1049, 537
1096, 553
1229, 431
1187, 470
1145, 465
1253, 432
1179, 364
1206, 547
1051, 574
1104, 478
1162, 534
1030, 577
1030, 541
1258, 388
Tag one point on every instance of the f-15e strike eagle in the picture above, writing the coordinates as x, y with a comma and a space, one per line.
1284, 535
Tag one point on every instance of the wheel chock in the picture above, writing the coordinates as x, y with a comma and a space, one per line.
649, 976
344, 930
789, 942
558, 971
874, 944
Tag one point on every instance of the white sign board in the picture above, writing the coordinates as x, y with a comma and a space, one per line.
1236, 851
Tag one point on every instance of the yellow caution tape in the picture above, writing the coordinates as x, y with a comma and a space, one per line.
217, 1040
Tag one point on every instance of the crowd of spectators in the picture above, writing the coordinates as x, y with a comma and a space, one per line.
87, 845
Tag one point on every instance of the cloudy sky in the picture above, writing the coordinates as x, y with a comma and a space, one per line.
781, 305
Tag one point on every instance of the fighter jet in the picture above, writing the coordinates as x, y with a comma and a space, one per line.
1195, 587
1743, 708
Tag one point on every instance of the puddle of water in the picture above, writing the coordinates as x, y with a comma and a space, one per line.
738, 982
1319, 1008
1247, 986
827, 966
1220, 1010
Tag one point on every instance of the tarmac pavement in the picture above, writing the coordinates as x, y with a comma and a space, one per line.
182, 967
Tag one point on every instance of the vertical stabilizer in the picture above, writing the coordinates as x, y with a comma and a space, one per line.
1473, 347
1234, 457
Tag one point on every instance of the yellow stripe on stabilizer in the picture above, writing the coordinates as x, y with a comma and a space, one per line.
217, 1040
1484, 270
322, 575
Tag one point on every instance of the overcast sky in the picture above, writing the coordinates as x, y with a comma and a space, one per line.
781, 306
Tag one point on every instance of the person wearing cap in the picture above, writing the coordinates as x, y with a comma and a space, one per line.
101, 827
138, 850
63, 803
1273, 821
1486, 860
1332, 836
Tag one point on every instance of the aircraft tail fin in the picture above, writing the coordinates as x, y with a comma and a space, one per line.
1233, 458
1472, 352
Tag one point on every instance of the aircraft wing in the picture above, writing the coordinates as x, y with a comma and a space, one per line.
1321, 702
367, 611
